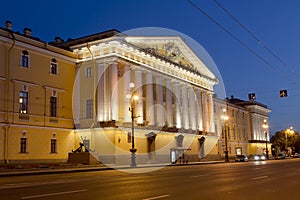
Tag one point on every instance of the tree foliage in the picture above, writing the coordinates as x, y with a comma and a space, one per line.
283, 139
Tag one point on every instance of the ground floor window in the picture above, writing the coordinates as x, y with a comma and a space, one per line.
53, 146
23, 145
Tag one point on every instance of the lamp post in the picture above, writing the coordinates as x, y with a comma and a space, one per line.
134, 97
291, 131
225, 118
265, 127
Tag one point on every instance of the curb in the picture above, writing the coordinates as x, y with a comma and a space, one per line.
87, 169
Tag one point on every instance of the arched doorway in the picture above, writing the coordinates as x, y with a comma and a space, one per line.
151, 145
201, 141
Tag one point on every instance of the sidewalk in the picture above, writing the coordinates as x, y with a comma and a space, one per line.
36, 169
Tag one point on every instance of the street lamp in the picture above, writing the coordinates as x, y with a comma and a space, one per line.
134, 97
265, 127
225, 118
290, 131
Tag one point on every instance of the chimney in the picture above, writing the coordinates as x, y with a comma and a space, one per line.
8, 25
58, 40
27, 31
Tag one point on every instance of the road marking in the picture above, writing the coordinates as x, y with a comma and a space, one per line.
53, 194
260, 177
196, 176
20, 185
157, 197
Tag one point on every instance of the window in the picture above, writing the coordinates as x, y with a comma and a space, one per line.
53, 146
23, 145
89, 109
25, 59
23, 102
53, 106
88, 72
53, 66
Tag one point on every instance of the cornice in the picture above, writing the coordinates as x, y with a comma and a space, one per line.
134, 55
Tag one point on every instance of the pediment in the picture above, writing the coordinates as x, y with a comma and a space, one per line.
173, 49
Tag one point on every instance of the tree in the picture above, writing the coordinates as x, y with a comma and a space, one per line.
285, 139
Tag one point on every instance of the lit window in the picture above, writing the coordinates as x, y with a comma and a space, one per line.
53, 146
88, 72
53, 66
25, 59
23, 145
89, 109
23, 102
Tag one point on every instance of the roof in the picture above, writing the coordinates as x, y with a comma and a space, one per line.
85, 39
244, 103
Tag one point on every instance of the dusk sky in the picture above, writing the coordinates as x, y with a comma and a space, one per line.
274, 23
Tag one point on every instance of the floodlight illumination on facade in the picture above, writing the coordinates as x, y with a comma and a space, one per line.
131, 85
128, 96
225, 117
135, 97
265, 124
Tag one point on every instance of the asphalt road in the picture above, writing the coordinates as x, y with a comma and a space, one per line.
277, 179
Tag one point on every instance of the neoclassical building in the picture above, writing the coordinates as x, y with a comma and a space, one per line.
102, 89
243, 127
173, 114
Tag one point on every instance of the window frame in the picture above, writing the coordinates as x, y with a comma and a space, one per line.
23, 145
23, 102
54, 65
88, 72
89, 108
53, 145
53, 106
25, 59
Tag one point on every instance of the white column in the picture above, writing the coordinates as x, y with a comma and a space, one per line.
199, 110
205, 112
100, 92
160, 111
139, 104
211, 113
185, 108
126, 91
106, 94
177, 104
149, 99
192, 108
114, 91
169, 103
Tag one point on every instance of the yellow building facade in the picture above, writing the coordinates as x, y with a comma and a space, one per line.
36, 99
59, 94
244, 127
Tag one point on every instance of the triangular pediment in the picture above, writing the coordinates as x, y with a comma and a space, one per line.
174, 49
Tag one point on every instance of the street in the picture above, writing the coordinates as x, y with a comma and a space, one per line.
274, 179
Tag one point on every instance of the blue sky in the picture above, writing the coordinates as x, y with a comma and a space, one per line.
274, 22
